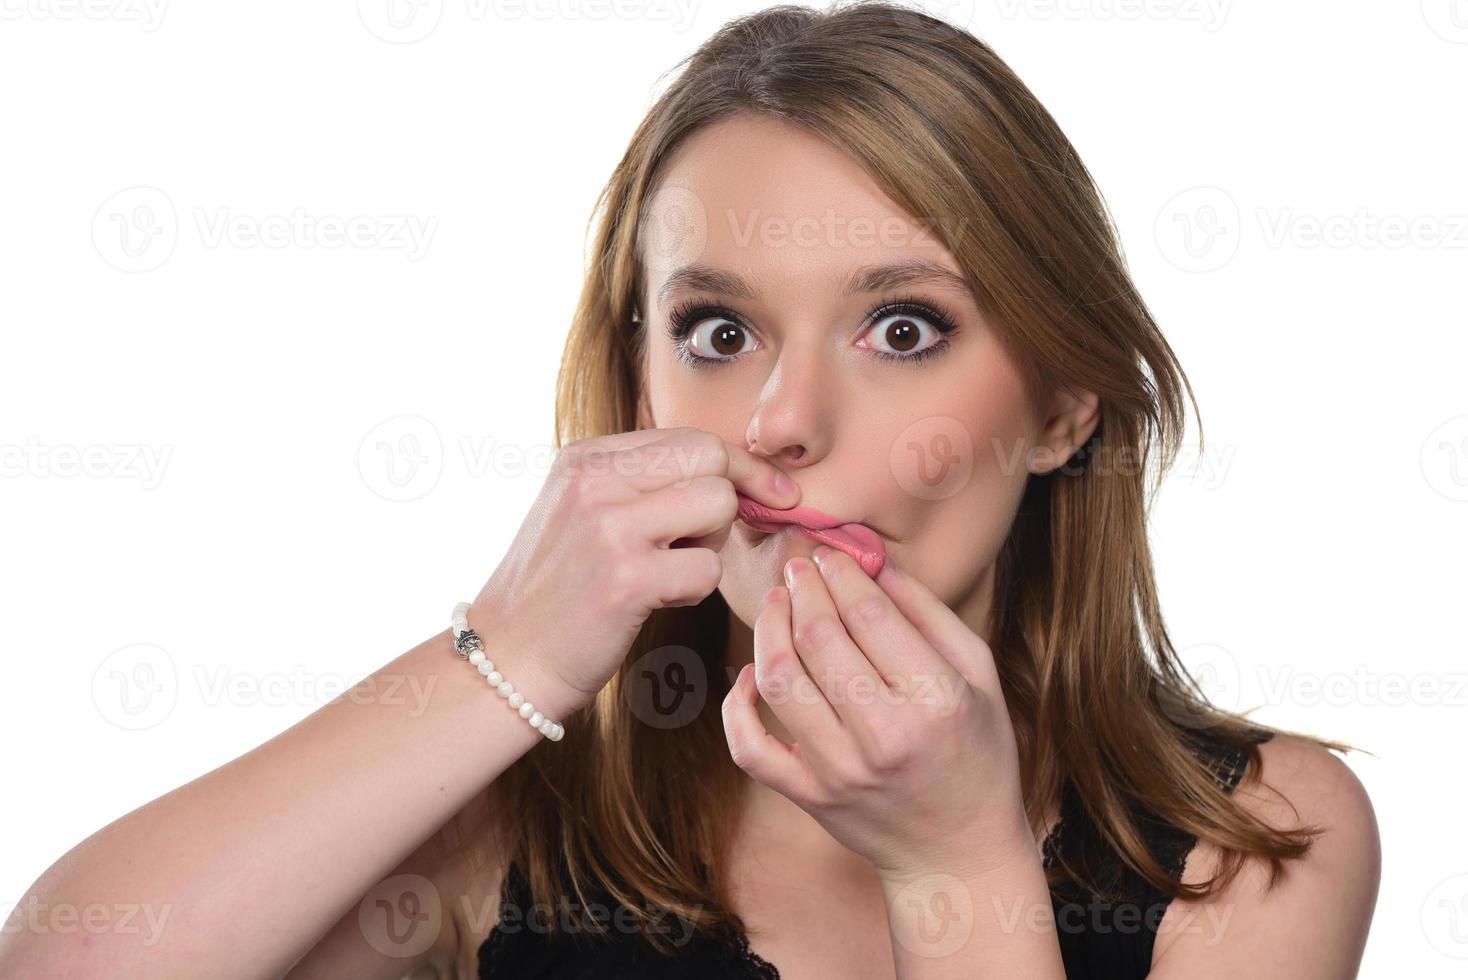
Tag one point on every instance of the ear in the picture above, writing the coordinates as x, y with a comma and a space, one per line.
644, 410
1072, 417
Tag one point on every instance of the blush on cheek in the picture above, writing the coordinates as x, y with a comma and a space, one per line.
933, 457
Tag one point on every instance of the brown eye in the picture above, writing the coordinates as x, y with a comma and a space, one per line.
718, 338
900, 334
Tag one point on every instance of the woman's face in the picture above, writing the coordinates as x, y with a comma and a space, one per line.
883, 419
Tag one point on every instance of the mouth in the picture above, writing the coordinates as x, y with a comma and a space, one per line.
857, 540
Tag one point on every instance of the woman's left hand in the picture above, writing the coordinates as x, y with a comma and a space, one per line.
905, 752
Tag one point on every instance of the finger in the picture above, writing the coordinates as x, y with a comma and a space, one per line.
755, 476
891, 643
784, 684
941, 626
767, 759
687, 575
649, 458
686, 454
827, 650
631, 439
696, 515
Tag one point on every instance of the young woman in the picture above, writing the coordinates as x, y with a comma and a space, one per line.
851, 286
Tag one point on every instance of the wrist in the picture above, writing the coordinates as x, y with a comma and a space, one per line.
983, 856
530, 677
536, 679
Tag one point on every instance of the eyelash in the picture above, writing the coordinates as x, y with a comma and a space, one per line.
690, 313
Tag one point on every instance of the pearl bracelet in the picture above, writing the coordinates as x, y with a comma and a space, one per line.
471, 648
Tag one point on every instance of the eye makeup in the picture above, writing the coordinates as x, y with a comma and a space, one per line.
686, 316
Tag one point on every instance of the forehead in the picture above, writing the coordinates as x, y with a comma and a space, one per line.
778, 206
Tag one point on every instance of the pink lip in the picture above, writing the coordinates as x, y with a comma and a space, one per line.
857, 540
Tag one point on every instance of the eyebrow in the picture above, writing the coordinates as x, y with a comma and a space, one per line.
865, 279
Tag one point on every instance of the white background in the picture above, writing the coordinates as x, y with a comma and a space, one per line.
298, 457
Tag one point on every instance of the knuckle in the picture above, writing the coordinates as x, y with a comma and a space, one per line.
739, 750
889, 748
727, 499
816, 633
624, 583
711, 447
869, 611
581, 485
607, 528
849, 773
771, 674
579, 459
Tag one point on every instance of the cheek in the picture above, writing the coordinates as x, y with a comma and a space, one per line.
678, 396
961, 471
969, 436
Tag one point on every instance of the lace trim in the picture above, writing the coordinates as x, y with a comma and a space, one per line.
758, 966
1228, 766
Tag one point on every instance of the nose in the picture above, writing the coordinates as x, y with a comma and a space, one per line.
790, 420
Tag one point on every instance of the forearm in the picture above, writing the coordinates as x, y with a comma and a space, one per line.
237, 872
951, 923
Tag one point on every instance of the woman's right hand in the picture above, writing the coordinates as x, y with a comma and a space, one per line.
624, 524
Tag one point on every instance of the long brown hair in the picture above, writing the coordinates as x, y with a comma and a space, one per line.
1099, 699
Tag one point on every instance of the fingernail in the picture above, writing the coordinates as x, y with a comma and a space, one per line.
821, 553
790, 572
784, 484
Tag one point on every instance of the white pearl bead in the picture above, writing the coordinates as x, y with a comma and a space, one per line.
480, 662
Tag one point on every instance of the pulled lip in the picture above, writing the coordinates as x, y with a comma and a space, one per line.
808, 517
858, 540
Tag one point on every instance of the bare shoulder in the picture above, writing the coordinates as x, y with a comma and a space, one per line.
1314, 922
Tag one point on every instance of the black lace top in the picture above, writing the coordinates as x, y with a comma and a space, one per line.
1098, 940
